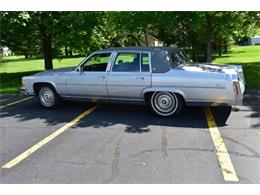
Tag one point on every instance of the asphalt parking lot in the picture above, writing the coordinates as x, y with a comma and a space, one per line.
116, 143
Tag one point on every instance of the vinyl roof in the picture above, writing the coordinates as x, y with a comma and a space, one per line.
160, 60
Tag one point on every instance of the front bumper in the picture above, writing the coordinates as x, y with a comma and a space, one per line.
24, 91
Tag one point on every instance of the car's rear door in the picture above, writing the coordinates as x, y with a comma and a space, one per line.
129, 75
91, 82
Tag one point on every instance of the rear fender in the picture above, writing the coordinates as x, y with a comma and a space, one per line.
166, 89
239, 77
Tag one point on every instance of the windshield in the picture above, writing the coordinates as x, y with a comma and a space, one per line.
179, 57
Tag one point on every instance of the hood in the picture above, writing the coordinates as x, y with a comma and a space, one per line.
58, 71
201, 67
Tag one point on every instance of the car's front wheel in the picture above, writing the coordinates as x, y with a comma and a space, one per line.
166, 103
48, 97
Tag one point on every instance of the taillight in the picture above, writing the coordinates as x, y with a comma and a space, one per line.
236, 90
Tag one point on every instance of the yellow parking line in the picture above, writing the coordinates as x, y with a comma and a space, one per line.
225, 162
16, 102
41, 143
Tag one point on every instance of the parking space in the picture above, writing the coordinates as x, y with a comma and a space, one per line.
21, 127
8, 100
127, 144
241, 135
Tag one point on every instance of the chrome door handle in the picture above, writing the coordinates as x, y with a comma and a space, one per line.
142, 78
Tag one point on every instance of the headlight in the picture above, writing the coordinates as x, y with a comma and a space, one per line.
23, 82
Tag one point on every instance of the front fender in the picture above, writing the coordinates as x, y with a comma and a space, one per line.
57, 82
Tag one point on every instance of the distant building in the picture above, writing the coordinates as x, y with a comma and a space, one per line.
254, 40
6, 51
152, 41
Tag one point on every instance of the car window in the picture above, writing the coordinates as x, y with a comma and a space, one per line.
145, 63
127, 62
98, 62
178, 58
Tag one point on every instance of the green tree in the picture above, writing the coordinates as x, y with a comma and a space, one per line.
17, 34
76, 31
54, 33
22, 31
200, 31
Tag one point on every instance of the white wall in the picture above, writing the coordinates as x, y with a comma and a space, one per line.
255, 40
6, 51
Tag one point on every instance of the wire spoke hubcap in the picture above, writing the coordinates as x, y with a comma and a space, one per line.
47, 96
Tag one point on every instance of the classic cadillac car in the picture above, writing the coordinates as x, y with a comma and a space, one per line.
160, 77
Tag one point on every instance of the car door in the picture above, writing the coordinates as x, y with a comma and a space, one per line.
89, 80
129, 75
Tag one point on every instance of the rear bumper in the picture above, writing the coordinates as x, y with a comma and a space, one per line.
237, 100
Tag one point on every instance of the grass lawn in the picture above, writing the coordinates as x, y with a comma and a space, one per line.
249, 58
13, 68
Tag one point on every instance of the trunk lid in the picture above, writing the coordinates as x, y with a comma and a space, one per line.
235, 70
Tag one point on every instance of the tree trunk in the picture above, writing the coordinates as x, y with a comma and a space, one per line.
209, 37
219, 49
209, 50
194, 50
26, 55
146, 39
47, 52
225, 46
66, 51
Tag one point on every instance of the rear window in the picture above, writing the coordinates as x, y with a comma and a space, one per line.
178, 58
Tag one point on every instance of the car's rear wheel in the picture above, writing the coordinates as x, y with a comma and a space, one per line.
166, 103
48, 97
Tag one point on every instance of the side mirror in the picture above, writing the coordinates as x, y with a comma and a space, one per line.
81, 69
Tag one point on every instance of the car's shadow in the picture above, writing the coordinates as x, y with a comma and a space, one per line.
252, 100
135, 118
139, 119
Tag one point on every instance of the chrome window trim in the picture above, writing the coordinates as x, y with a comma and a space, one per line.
149, 57
132, 51
90, 56
113, 58
140, 62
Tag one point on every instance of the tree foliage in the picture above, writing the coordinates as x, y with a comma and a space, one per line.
52, 34
26, 32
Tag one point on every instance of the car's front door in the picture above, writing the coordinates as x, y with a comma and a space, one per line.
129, 75
91, 80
